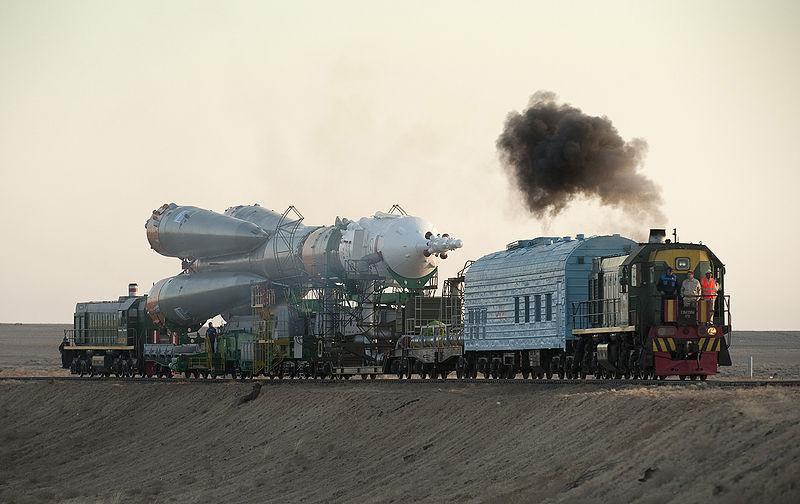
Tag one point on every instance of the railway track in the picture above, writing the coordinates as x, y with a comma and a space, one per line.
720, 383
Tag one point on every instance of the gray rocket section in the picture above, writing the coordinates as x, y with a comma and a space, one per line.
189, 300
189, 232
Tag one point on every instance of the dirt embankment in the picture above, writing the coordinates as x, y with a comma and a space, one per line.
190, 442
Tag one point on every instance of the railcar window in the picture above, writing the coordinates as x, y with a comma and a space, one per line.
580, 259
537, 308
548, 306
484, 318
527, 308
516, 310
635, 275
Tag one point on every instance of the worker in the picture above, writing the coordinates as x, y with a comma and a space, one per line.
690, 290
211, 333
667, 286
709, 288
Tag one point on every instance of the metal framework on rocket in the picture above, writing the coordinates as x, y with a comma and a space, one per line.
345, 267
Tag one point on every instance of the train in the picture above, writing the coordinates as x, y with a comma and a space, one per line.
361, 298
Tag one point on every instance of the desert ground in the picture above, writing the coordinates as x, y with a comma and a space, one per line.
107, 441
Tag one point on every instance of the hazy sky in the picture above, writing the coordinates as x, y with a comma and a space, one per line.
110, 109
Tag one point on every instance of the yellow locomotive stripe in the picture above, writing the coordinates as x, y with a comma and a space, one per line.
663, 344
704, 345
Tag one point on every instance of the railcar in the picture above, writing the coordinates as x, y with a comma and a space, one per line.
518, 316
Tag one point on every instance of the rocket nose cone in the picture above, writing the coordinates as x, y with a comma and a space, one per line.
404, 246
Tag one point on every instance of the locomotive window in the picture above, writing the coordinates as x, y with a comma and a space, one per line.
471, 315
516, 310
483, 313
682, 263
634, 275
580, 259
537, 308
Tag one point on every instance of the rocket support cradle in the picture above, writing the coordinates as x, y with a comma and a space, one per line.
223, 254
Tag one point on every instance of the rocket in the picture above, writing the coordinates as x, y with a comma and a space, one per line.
222, 255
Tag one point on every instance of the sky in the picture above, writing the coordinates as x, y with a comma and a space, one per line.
109, 109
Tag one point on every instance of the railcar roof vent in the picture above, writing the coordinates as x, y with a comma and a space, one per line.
657, 236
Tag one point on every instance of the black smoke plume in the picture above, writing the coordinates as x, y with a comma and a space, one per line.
556, 152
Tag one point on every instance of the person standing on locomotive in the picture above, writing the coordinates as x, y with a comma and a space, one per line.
709, 288
667, 286
211, 333
690, 290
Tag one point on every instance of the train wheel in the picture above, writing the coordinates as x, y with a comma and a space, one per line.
187, 374
703, 377
549, 375
682, 377
444, 374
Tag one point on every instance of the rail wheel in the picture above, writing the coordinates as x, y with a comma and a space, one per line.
525, 374
703, 377
187, 374
682, 377
549, 375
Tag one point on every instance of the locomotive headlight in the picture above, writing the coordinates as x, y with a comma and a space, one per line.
712, 331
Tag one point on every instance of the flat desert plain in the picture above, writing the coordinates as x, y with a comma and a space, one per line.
108, 441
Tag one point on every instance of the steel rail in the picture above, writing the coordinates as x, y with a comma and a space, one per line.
608, 383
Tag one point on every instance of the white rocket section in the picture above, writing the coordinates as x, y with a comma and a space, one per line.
400, 241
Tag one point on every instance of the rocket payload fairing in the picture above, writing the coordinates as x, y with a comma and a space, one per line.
223, 254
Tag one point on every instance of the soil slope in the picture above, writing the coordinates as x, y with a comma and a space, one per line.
96, 441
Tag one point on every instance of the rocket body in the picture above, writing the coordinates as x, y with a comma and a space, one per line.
225, 253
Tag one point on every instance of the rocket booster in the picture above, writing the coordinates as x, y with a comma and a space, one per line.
224, 253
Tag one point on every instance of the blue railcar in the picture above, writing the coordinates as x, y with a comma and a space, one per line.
518, 302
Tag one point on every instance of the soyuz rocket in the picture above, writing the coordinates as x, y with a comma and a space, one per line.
223, 254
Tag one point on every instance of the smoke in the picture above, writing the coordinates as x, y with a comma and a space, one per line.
556, 152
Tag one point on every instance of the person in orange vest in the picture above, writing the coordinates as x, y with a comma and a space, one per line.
709, 287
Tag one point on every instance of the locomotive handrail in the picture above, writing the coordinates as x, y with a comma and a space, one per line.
96, 337
597, 313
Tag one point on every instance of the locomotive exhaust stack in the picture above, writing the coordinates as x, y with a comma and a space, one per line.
657, 236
